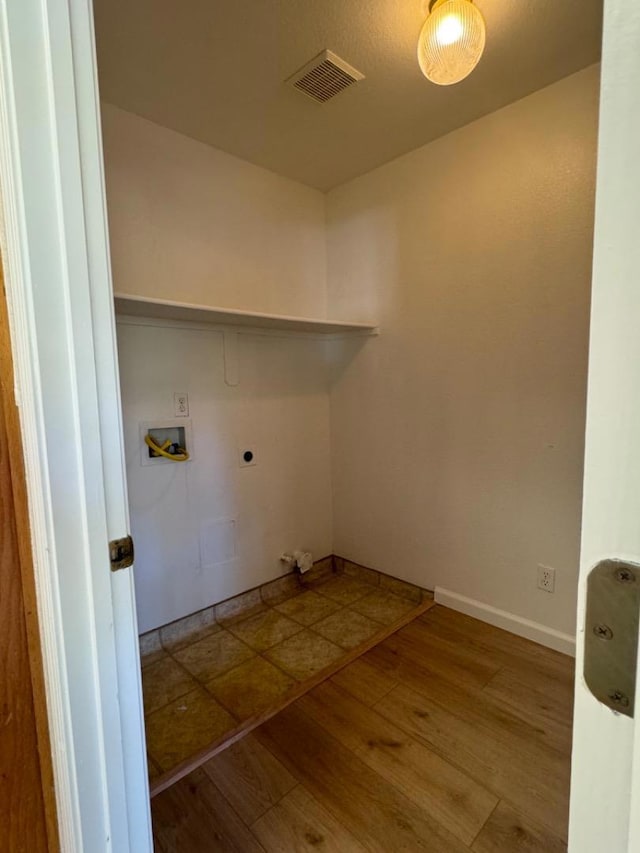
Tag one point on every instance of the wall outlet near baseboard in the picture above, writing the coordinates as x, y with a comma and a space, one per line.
546, 578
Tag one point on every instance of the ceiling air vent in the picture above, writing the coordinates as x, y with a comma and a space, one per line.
324, 77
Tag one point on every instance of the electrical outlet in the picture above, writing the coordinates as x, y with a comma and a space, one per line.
546, 578
181, 405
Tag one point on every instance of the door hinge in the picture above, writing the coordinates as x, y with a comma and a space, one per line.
611, 634
121, 553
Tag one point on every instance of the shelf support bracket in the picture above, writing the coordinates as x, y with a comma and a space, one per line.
231, 359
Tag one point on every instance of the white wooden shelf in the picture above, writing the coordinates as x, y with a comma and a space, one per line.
140, 306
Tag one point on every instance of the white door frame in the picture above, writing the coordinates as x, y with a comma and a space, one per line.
59, 296
603, 755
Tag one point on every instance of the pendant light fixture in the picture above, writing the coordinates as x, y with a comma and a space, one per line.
451, 41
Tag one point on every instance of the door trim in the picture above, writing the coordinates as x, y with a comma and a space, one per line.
59, 300
26, 398
603, 756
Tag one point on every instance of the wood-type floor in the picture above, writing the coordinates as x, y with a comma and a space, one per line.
449, 736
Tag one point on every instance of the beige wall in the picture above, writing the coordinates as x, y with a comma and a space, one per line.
190, 223
457, 435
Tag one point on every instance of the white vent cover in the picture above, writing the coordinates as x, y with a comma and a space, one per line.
324, 77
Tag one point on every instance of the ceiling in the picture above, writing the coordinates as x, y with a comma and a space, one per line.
214, 70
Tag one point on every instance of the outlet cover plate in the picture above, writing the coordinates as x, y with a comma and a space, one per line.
546, 578
181, 404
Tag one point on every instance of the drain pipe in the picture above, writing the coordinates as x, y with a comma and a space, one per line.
298, 561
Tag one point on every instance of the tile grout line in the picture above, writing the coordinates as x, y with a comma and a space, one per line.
184, 767
332, 574
256, 653
199, 683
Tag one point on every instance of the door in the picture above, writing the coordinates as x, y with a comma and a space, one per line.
27, 803
56, 259
605, 792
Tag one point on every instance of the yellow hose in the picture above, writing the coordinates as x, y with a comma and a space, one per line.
182, 456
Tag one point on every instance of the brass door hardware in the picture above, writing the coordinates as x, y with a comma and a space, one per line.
121, 553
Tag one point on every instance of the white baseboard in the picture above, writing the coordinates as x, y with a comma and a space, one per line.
549, 637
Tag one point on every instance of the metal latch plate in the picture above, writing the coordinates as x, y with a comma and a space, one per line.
121, 553
611, 634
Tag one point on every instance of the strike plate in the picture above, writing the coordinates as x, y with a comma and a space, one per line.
611, 634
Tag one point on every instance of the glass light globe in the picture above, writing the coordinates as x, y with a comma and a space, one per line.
451, 41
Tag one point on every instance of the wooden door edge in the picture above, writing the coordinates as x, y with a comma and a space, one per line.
23, 527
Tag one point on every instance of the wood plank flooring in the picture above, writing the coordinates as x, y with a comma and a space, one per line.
449, 736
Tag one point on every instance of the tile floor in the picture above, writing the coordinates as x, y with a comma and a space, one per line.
206, 681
